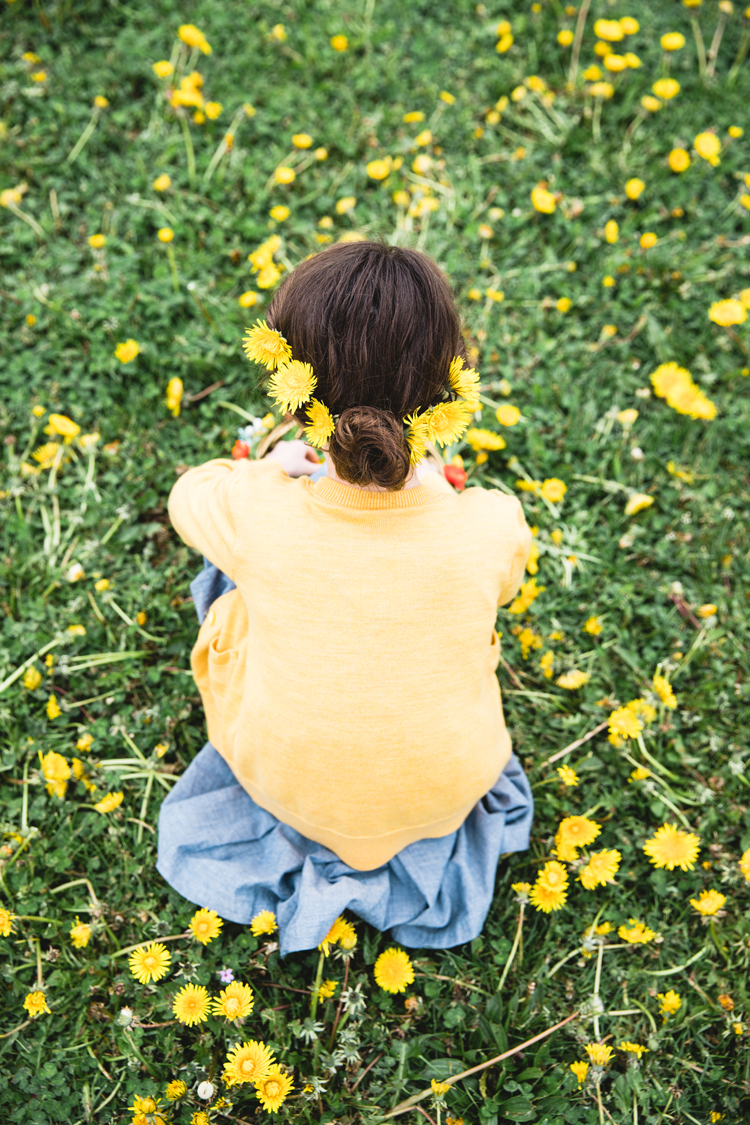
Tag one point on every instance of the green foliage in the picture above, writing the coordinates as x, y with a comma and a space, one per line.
125, 681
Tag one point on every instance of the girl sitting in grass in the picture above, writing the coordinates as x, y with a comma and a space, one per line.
357, 757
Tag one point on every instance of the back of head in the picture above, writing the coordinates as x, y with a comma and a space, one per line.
380, 328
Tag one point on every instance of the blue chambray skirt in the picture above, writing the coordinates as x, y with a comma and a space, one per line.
222, 851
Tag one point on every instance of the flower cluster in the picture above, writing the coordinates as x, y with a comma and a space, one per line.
293, 382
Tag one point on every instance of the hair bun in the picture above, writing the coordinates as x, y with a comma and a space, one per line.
368, 446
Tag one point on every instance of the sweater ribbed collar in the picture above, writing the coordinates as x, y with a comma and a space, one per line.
346, 496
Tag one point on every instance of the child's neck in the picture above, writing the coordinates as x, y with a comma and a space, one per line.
412, 481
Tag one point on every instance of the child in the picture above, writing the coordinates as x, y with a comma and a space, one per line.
358, 757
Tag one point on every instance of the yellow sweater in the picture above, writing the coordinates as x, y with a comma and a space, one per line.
349, 681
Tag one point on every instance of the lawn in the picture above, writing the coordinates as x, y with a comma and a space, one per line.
582, 175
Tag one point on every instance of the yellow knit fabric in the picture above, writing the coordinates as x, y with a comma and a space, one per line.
349, 681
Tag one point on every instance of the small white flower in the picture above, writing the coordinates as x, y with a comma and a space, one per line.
637, 453
206, 1091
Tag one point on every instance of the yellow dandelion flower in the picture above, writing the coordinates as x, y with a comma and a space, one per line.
339, 42
32, 678
322, 423
574, 832
379, 169
248, 1062
636, 933
175, 1090
55, 771
464, 380
638, 503
174, 395
580, 1069
671, 847
480, 439
728, 312
744, 864
80, 934
633, 1048
543, 201
663, 689
6, 921
448, 421
600, 869
150, 962
508, 415
669, 1002
326, 990
708, 146
161, 183
528, 593
234, 1002
191, 1004
417, 435
265, 345
36, 1003
567, 775
550, 889
553, 490
573, 679
279, 213
205, 925
678, 160
273, 1089
708, 903
666, 88
599, 1053
109, 802
127, 351
163, 68
393, 970
291, 385
439, 1089
194, 37
263, 923
285, 175
624, 723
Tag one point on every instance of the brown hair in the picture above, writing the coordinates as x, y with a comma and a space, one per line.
379, 326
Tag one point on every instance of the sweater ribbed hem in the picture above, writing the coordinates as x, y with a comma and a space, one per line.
347, 496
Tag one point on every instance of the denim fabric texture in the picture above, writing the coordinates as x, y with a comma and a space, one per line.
222, 851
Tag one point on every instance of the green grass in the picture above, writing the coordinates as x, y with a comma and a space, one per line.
106, 510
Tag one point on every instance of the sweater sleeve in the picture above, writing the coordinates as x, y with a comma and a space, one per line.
200, 506
519, 536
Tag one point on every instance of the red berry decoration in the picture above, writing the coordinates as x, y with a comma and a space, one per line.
240, 449
456, 476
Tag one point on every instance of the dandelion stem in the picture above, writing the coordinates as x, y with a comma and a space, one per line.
190, 152
316, 986
26, 218
405, 1106
173, 268
597, 981
142, 944
596, 121
513, 948
740, 57
599, 1102
713, 50
582, 13
144, 806
338, 1009
730, 332
11, 679
700, 46
36, 918
78, 147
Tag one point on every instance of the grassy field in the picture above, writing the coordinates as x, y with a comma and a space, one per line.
576, 290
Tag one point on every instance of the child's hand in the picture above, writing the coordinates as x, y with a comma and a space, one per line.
297, 457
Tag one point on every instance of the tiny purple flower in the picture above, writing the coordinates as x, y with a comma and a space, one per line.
226, 975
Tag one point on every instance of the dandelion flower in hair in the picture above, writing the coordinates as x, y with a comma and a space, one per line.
265, 345
417, 437
321, 424
448, 421
464, 380
292, 384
